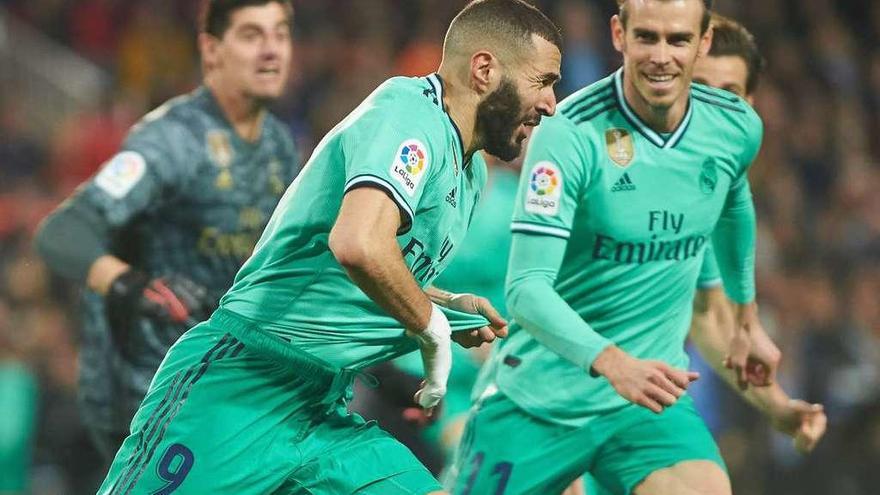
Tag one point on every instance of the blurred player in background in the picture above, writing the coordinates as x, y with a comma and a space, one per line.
255, 399
735, 64
159, 232
619, 195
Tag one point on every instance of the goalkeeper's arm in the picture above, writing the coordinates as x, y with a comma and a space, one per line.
73, 241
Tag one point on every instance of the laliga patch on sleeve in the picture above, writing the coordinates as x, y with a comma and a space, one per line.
410, 165
121, 173
544, 189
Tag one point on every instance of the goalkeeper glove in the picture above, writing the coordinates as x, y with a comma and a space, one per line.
171, 299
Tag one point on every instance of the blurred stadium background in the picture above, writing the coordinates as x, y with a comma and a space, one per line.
74, 75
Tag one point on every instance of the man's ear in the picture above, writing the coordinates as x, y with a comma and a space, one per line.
208, 48
618, 33
485, 72
706, 42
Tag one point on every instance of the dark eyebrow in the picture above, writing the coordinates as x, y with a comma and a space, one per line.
249, 26
252, 26
645, 32
549, 78
681, 35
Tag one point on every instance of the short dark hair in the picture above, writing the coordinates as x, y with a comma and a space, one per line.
704, 22
511, 23
215, 15
730, 38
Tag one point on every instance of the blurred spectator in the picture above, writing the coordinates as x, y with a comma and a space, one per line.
85, 141
21, 155
18, 397
156, 54
583, 61
94, 28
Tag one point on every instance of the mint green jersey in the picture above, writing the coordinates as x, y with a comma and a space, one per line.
710, 274
401, 141
481, 265
637, 210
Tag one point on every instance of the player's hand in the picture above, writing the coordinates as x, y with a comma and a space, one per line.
763, 359
170, 299
422, 418
805, 423
650, 384
753, 356
470, 303
435, 346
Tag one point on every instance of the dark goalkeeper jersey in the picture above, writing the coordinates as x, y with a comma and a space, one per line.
185, 195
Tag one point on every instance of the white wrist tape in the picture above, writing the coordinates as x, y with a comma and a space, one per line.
435, 345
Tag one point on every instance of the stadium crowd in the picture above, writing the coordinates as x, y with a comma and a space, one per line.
815, 184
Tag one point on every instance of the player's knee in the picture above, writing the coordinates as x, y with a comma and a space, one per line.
686, 478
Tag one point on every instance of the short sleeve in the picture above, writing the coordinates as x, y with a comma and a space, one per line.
389, 147
142, 175
551, 181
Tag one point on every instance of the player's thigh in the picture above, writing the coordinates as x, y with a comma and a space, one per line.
210, 408
345, 454
408, 483
504, 450
686, 478
643, 443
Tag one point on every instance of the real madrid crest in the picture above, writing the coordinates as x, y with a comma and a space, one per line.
619, 144
708, 176
220, 151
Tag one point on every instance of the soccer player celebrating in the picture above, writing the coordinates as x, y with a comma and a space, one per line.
734, 64
158, 234
620, 194
254, 399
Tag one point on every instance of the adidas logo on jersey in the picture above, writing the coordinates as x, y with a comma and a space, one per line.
623, 184
450, 198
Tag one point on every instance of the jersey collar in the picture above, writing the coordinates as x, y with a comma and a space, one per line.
437, 84
653, 136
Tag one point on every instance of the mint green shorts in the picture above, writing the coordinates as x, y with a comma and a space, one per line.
233, 411
505, 450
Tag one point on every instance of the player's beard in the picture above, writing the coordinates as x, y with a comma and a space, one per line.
498, 117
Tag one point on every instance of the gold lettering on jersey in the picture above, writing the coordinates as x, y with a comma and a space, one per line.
251, 219
220, 151
214, 242
619, 144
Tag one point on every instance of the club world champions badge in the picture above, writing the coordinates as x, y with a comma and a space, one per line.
619, 144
